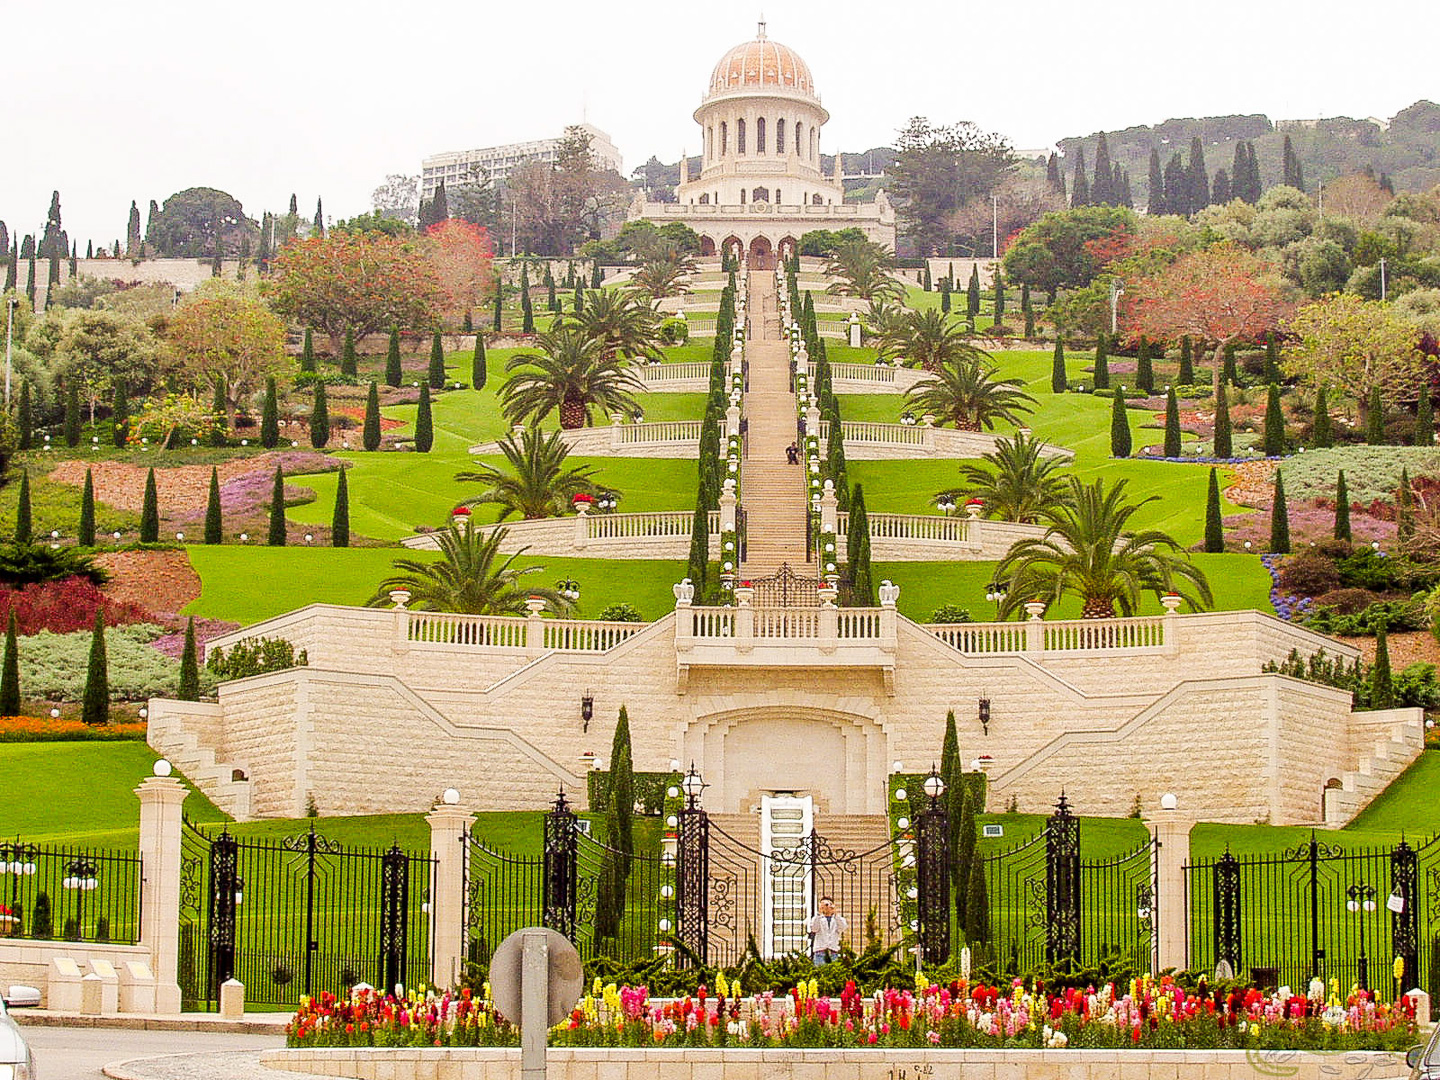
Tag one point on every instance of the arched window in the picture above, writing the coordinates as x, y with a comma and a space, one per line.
710, 142
739, 136
705, 199
724, 139
778, 200
817, 200
742, 195
760, 135
779, 139
760, 194
814, 144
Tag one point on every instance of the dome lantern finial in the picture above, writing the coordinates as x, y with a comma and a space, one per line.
760, 30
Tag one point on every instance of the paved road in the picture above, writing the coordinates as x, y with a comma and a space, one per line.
80, 1053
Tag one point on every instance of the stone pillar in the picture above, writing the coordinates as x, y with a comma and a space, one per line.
617, 421
744, 619
812, 424
1168, 858
889, 594
684, 629
582, 524
854, 330
160, 860
449, 825
534, 626
829, 518
1171, 603
972, 523
727, 510
1035, 626
732, 420
829, 619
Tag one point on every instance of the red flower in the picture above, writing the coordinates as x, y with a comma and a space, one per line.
582, 497
460, 511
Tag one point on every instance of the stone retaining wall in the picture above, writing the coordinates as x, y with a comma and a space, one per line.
598, 1064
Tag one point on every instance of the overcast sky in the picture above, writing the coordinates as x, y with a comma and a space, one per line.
117, 101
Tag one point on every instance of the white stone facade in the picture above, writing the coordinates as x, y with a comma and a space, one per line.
396, 706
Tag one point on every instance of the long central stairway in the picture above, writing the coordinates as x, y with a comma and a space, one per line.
774, 491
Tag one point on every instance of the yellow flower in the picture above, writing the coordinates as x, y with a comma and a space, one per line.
814, 989
921, 983
1399, 967
596, 989
1255, 1030
721, 986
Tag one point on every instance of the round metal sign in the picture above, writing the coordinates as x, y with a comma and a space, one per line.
565, 977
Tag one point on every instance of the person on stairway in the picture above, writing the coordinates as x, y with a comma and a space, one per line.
792, 454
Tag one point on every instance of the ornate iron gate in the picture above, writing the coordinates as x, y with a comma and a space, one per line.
786, 589
302, 915
1320, 910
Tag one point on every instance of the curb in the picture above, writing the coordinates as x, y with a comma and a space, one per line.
192, 1022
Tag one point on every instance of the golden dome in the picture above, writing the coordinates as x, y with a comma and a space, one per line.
762, 63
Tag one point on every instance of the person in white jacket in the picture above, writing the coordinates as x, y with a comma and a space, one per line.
825, 931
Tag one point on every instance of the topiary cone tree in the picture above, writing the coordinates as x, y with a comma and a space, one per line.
86, 533
436, 374
340, 518
277, 510
10, 672
150, 511
477, 365
1279, 518
95, 705
1342, 508
189, 688
320, 418
370, 435
424, 423
1102, 362
1214, 526
349, 362
1173, 444
1274, 437
1223, 441
270, 416
393, 372
1059, 383
1320, 431
1120, 439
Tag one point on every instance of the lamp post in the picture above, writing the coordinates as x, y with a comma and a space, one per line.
1360, 898
692, 869
1116, 288
17, 860
995, 593
568, 588
80, 878
932, 835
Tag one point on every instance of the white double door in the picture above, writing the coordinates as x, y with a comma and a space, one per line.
786, 886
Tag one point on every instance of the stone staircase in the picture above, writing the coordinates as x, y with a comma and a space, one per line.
773, 491
198, 765
1374, 771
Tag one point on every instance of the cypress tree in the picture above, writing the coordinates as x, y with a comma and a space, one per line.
972, 293
1404, 508
945, 296
370, 437
349, 362
1223, 443
189, 689
1054, 178
622, 787
220, 410
1228, 373
150, 512
1173, 445
1214, 527
424, 423
436, 375
552, 303
393, 373
1102, 190
699, 564
977, 907
999, 299
1342, 509
954, 788
1079, 186
24, 419
95, 707
319, 418
319, 219
270, 416
527, 316
1198, 176
1274, 438
1187, 363
1157, 185
1102, 362
214, 528
1120, 439
597, 275
478, 370
468, 325
1026, 310
499, 308
861, 581
277, 511
1382, 686
1424, 420
307, 352
964, 857
1375, 419
1320, 435
10, 675
340, 519
1058, 381
1279, 518
120, 414
23, 526
86, 533
1144, 367
1272, 359
72, 414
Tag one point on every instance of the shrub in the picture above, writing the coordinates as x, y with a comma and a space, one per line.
1371, 472
1365, 568
28, 564
1309, 574
675, 331
305, 379
253, 656
1346, 601
65, 606
54, 665
620, 613
1392, 614
950, 613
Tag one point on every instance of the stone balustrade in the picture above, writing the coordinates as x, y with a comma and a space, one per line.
655, 534
1132, 636
869, 440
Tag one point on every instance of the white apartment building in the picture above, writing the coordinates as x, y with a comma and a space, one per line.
457, 166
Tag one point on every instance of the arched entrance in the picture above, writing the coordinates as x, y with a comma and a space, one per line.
707, 247
787, 248
732, 247
762, 256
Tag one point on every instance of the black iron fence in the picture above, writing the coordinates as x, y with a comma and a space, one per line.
1367, 917
300, 915
69, 893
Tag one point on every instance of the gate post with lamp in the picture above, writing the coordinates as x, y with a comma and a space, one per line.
933, 874
161, 797
692, 870
1169, 852
560, 868
449, 824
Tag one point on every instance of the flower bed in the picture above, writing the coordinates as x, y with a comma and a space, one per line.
48, 729
1148, 1014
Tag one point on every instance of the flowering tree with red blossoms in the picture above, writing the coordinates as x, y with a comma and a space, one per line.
459, 253
363, 282
1217, 295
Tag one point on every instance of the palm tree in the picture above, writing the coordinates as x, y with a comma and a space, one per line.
469, 578
927, 336
621, 319
571, 374
1016, 483
538, 485
666, 272
966, 393
862, 268
1086, 550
